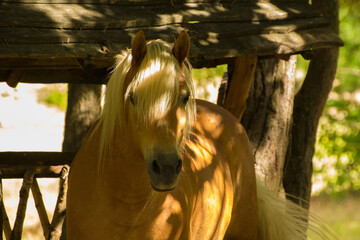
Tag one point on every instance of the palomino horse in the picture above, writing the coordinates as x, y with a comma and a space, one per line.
160, 165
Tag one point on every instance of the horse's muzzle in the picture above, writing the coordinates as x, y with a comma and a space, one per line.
164, 171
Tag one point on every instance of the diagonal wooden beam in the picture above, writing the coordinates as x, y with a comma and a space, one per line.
60, 208
40, 206
238, 85
5, 222
20, 214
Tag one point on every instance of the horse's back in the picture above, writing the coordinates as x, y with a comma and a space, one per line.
224, 165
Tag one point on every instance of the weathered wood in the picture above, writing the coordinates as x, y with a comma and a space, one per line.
35, 158
58, 63
44, 164
267, 118
20, 214
143, 2
87, 16
167, 33
40, 206
74, 76
239, 84
40, 171
268, 44
205, 49
60, 207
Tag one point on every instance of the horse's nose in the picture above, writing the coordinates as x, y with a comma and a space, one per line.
167, 167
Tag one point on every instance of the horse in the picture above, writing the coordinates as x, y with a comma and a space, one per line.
159, 164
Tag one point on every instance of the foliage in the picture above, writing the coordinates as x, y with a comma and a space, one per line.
54, 95
337, 156
207, 81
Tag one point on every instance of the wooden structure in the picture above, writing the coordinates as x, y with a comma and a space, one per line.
75, 41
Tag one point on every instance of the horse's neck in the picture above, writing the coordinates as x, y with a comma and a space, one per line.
125, 173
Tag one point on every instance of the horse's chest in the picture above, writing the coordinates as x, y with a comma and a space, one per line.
160, 218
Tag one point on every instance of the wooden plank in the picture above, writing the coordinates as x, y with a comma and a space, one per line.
70, 51
35, 158
117, 2
268, 44
202, 49
96, 76
239, 85
141, 2
40, 171
59, 63
238, 29
73, 50
87, 16
23, 35
167, 33
43, 164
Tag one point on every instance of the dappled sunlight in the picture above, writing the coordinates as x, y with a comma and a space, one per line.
170, 208
202, 151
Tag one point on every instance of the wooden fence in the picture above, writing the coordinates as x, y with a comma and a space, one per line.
29, 166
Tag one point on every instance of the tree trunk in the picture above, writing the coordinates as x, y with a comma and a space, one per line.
82, 110
308, 106
267, 118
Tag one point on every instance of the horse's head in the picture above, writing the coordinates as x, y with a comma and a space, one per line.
160, 106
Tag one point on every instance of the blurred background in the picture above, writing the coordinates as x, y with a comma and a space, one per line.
34, 121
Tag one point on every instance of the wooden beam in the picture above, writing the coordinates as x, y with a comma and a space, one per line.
40, 207
85, 17
239, 84
60, 208
44, 164
75, 76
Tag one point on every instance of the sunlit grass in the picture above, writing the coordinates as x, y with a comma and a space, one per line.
342, 215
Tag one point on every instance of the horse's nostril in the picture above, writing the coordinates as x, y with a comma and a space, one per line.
155, 167
178, 167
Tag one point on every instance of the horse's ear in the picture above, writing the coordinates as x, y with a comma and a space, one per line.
181, 47
138, 50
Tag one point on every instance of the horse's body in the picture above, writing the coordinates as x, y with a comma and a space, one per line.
125, 182
209, 192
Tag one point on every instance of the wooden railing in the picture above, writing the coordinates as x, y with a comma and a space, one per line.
30, 166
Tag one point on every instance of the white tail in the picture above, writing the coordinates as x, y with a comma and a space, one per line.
281, 219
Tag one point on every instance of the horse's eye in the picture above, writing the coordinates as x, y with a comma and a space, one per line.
132, 98
185, 97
